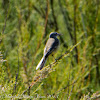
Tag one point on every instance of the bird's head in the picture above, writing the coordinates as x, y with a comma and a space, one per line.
54, 34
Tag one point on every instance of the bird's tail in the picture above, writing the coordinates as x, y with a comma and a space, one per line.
41, 63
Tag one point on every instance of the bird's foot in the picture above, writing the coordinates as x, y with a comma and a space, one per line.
55, 60
50, 65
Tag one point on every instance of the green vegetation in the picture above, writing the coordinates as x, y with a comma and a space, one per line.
25, 26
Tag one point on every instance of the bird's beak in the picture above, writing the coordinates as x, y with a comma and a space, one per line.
59, 34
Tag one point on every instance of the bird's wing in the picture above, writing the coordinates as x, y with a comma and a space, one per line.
51, 46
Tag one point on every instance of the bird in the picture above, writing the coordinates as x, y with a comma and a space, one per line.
50, 48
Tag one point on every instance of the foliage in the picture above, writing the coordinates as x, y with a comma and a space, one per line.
24, 29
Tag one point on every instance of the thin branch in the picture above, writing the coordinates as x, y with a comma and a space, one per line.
82, 19
53, 14
41, 74
93, 42
14, 91
66, 21
6, 18
45, 26
70, 92
75, 37
46, 20
72, 84
95, 97
38, 11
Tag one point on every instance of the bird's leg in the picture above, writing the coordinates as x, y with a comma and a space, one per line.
50, 65
54, 58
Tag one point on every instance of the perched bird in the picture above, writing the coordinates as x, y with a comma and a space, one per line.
51, 46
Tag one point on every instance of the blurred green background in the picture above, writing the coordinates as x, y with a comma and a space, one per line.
25, 26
